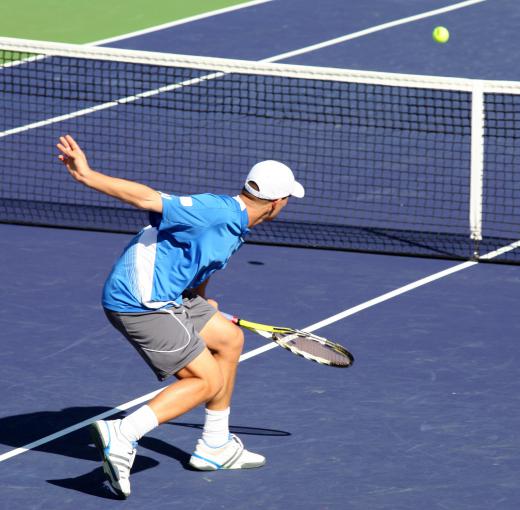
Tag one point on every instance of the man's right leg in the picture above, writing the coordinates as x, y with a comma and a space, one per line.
116, 440
169, 344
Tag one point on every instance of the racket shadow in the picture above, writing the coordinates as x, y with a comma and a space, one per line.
237, 429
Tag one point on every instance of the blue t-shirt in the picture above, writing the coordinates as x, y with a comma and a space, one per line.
193, 237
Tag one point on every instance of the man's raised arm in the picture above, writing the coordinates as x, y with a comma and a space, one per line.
133, 193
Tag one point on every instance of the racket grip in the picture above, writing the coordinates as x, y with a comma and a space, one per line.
230, 317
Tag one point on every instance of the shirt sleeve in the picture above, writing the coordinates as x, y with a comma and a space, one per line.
178, 211
195, 211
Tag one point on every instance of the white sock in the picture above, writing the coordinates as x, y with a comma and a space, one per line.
139, 423
216, 427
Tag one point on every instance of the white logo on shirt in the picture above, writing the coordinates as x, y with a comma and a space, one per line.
186, 201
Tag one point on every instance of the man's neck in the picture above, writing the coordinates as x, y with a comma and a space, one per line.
256, 211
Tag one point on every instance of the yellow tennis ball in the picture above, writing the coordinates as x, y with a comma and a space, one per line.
441, 35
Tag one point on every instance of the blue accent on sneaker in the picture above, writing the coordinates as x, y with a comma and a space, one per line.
217, 465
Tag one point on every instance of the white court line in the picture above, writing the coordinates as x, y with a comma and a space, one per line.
77, 426
149, 30
371, 302
308, 49
255, 352
171, 24
274, 58
377, 28
385, 297
110, 104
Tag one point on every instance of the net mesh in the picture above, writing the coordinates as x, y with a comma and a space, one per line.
386, 160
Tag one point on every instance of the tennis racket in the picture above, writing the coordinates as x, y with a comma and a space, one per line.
302, 343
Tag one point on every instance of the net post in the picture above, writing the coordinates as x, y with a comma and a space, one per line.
477, 166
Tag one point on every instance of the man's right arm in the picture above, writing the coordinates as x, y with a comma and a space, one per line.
133, 193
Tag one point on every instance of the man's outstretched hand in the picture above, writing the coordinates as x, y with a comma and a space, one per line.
73, 158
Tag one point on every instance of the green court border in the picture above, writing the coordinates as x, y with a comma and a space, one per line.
84, 21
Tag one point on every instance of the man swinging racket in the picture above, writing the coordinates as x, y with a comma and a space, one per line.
155, 296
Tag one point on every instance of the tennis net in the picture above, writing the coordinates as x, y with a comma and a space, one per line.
391, 163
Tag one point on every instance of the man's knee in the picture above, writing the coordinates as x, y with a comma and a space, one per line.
230, 342
236, 338
221, 336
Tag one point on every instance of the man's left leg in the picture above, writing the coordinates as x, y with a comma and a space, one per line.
218, 449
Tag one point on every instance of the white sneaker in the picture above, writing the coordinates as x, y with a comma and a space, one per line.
231, 455
117, 453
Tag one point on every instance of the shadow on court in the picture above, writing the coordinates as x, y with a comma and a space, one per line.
21, 430
95, 484
237, 429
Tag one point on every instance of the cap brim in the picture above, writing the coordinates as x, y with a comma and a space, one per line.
298, 190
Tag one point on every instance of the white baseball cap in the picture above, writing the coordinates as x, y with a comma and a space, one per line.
274, 180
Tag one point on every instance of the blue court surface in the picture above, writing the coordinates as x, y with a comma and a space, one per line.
427, 417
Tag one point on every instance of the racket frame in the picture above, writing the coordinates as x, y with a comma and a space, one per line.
288, 334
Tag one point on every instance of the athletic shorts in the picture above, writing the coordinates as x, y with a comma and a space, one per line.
166, 339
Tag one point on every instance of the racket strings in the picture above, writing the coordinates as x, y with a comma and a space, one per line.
316, 349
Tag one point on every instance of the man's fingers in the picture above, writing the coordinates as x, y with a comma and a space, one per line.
69, 143
64, 150
73, 145
64, 142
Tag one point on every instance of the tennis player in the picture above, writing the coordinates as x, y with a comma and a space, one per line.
156, 297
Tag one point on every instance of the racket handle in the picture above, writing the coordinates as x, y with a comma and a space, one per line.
230, 317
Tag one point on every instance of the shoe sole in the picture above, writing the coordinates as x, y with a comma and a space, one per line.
110, 474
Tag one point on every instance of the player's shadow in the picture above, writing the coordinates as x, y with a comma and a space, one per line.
24, 429
94, 483
21, 430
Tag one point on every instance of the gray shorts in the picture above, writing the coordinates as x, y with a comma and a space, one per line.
167, 340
